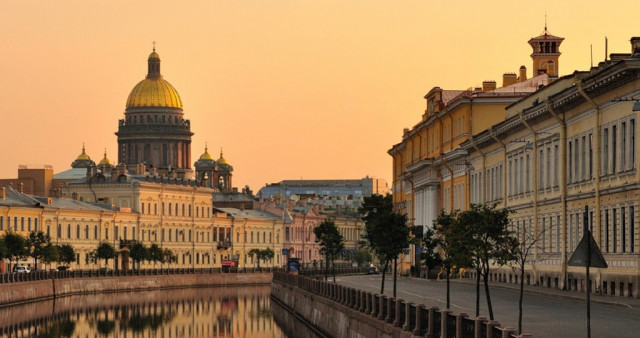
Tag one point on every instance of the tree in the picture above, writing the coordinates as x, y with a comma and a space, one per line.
361, 257
266, 255
50, 253
168, 256
386, 231
138, 253
105, 251
35, 243
255, 256
3, 249
331, 243
66, 254
156, 254
526, 241
484, 235
15, 245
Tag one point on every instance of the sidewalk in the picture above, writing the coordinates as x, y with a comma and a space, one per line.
628, 302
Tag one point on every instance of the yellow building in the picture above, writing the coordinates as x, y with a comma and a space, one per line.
430, 170
569, 145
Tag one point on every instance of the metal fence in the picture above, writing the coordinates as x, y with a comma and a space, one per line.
97, 273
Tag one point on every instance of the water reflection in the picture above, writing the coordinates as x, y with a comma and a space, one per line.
210, 312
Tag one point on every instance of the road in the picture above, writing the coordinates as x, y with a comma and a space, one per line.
543, 315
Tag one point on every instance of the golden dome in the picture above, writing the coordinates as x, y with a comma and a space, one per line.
83, 156
154, 91
206, 155
221, 160
105, 161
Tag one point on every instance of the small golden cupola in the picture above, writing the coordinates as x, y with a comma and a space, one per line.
206, 155
221, 160
105, 161
83, 160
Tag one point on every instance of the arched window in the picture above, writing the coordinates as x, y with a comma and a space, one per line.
78, 231
176, 209
86, 231
183, 210
68, 230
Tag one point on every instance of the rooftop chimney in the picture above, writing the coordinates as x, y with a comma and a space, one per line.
21, 188
488, 86
523, 74
508, 79
4, 193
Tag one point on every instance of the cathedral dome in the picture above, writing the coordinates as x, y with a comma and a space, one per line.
206, 155
83, 156
105, 161
154, 91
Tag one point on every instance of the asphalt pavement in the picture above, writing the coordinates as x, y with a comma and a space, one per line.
547, 312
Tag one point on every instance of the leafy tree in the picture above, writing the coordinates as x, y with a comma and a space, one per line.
138, 253
66, 254
483, 233
255, 256
386, 231
50, 253
105, 251
3, 249
35, 243
361, 256
331, 243
156, 254
15, 245
266, 255
168, 256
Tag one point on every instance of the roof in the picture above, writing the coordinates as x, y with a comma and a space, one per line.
527, 86
448, 95
251, 214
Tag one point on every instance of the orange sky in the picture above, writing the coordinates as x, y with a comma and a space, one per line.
311, 89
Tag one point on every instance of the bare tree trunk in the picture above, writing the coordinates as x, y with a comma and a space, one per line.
486, 291
384, 272
521, 296
448, 271
395, 275
477, 292
326, 268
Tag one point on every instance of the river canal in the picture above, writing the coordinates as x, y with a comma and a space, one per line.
198, 312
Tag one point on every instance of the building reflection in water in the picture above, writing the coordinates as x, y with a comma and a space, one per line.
205, 312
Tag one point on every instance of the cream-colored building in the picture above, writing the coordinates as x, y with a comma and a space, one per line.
569, 145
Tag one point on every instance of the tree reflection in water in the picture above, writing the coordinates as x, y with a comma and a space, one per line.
204, 312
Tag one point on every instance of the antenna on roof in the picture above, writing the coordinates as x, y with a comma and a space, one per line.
591, 55
606, 48
545, 23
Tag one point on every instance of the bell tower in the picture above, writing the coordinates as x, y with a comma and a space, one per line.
546, 52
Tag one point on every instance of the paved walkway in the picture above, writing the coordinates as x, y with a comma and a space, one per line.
553, 292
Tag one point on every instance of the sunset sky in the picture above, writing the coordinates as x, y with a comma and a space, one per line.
315, 89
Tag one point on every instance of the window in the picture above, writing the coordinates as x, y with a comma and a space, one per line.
614, 144
614, 233
1, 222
78, 231
583, 157
59, 231
590, 156
623, 145
29, 224
95, 232
555, 161
632, 234
68, 230
632, 143
558, 233
605, 151
569, 167
116, 232
86, 231
106, 233
623, 224
606, 230
35, 223
21, 223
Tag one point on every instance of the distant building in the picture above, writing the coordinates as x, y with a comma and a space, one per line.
305, 189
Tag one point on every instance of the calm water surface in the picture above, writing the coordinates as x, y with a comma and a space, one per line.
203, 312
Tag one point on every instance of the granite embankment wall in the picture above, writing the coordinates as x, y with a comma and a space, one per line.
336, 310
20, 292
